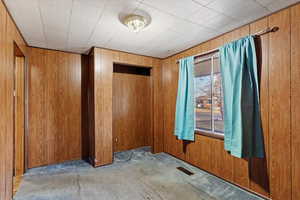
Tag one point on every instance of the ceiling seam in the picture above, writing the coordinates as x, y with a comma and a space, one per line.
69, 25
97, 23
181, 18
42, 21
138, 6
262, 5
221, 13
197, 2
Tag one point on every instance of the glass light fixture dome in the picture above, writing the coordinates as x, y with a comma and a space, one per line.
135, 22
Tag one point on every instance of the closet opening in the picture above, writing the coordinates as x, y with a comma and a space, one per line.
132, 107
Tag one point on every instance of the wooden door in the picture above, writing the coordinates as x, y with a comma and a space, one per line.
132, 107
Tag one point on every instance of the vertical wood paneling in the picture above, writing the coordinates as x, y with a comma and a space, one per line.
131, 111
173, 145
74, 77
199, 152
50, 69
295, 100
8, 34
280, 106
259, 174
4, 106
54, 107
102, 69
158, 106
206, 46
19, 112
167, 88
103, 106
36, 84
12, 37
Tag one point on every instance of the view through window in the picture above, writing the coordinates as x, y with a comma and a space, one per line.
209, 95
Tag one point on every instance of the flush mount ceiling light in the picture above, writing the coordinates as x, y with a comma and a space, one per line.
136, 22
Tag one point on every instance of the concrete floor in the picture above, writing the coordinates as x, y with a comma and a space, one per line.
135, 175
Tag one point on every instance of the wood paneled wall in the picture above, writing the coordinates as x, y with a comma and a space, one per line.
132, 108
55, 110
280, 106
100, 101
8, 35
277, 176
19, 117
55, 133
295, 101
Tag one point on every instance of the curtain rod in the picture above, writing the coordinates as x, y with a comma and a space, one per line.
259, 33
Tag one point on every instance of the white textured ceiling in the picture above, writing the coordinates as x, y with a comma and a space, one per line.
77, 25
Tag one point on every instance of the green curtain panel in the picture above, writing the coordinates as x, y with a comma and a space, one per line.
242, 123
185, 116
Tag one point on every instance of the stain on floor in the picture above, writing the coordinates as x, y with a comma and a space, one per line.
134, 175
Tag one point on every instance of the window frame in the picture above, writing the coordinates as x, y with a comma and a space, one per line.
212, 133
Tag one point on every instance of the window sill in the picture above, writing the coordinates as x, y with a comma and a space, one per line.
210, 134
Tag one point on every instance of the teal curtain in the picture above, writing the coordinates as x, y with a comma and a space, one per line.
185, 116
242, 123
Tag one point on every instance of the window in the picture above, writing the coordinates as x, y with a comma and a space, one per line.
209, 95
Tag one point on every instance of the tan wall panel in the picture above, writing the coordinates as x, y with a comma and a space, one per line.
5, 126
280, 106
158, 106
54, 107
131, 111
295, 100
102, 83
103, 106
8, 35
19, 112
173, 146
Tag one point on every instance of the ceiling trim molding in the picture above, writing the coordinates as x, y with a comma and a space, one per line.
128, 52
63, 51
